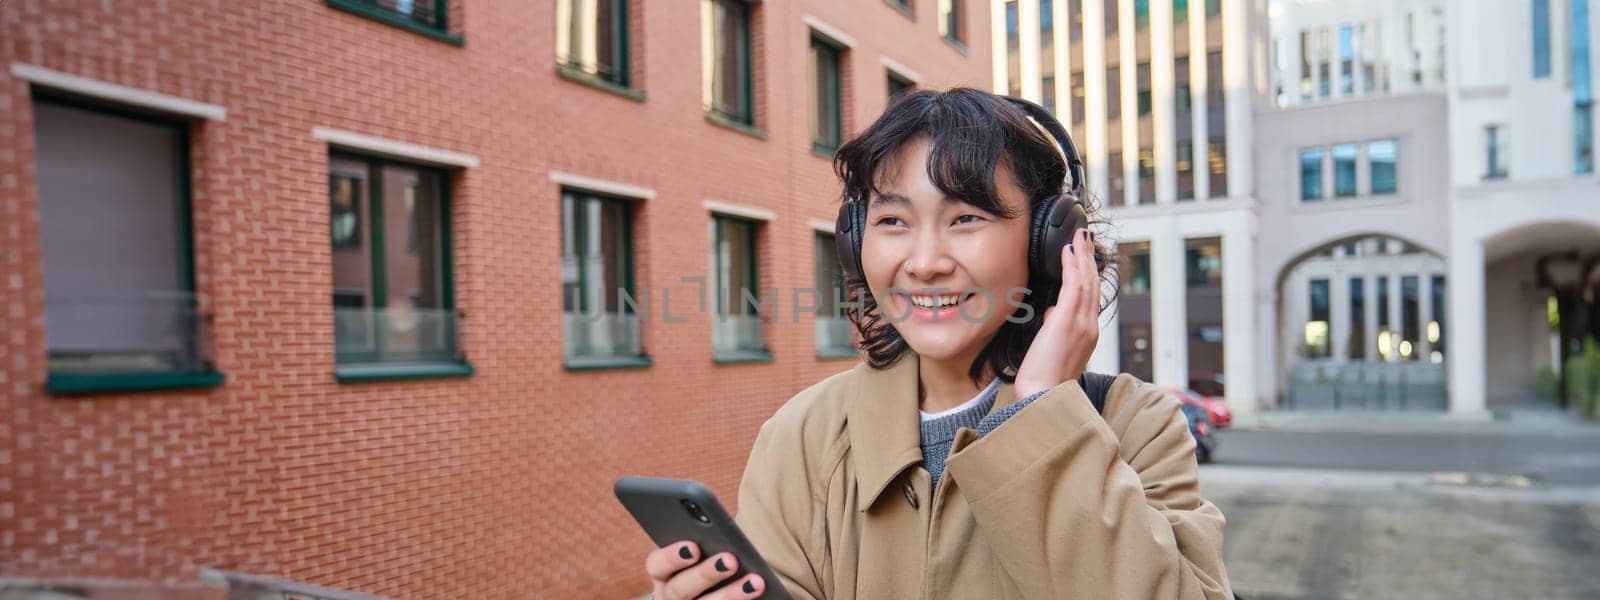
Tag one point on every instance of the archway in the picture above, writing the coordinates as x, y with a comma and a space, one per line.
1541, 301
1361, 323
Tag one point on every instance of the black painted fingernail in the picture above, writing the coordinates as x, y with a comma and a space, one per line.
722, 567
685, 553
1073, 250
749, 588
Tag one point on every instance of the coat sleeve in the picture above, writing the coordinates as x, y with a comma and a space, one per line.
1073, 508
780, 512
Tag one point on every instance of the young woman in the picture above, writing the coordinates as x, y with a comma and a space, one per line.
964, 458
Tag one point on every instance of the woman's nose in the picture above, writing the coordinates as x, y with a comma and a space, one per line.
929, 260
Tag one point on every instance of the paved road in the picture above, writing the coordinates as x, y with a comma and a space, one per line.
1554, 457
1311, 534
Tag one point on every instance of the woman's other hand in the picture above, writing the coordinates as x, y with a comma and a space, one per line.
1061, 350
677, 572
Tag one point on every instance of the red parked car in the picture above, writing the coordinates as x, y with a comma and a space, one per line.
1215, 408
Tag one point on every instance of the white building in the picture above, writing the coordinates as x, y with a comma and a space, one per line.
1338, 248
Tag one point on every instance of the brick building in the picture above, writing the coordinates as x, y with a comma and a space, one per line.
180, 393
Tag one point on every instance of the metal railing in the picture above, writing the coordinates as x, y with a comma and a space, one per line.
137, 331
399, 334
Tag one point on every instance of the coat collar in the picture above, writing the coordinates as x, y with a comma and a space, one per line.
885, 427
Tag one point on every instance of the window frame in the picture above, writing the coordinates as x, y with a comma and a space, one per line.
1354, 164
623, 82
374, 365
1372, 179
821, 242
368, 9
629, 273
57, 382
953, 23
746, 72
1495, 146
827, 147
904, 7
1321, 158
753, 247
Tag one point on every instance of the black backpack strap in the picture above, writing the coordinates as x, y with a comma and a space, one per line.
1096, 386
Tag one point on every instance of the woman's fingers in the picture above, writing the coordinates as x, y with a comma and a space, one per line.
1088, 275
748, 586
663, 562
695, 581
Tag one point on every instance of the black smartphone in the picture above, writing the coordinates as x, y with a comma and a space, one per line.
676, 510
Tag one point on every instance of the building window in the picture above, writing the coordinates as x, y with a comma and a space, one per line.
1324, 59
1217, 125
1213, 8
1203, 309
1147, 176
1410, 318
1541, 38
1381, 156
737, 331
1078, 104
1583, 124
904, 6
1047, 87
1144, 89
1141, 14
825, 102
1494, 137
427, 17
1316, 330
1180, 12
1133, 309
950, 20
1356, 343
116, 238
599, 322
1311, 174
1344, 170
592, 38
726, 60
1116, 179
1436, 326
899, 85
1386, 340
1307, 54
1347, 57
835, 335
1013, 50
392, 297
1185, 165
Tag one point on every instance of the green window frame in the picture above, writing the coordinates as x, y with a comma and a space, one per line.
730, 101
905, 8
834, 332
738, 333
898, 85
574, 47
950, 20
583, 258
189, 364
430, 18
378, 358
827, 105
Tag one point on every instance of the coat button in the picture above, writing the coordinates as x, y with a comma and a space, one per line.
911, 494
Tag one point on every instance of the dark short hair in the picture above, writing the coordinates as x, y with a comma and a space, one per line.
972, 133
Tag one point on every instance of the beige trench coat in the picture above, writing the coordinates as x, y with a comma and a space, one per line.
1058, 502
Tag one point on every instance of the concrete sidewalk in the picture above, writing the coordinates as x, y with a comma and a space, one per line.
1515, 420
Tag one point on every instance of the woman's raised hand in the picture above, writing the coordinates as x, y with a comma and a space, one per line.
1061, 350
677, 571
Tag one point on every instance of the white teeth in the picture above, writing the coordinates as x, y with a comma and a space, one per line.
933, 301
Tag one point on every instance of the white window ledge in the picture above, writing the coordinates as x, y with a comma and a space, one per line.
394, 149
580, 182
119, 94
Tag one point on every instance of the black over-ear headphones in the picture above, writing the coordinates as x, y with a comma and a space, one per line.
1054, 220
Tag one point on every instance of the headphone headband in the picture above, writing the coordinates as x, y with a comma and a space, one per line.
1052, 127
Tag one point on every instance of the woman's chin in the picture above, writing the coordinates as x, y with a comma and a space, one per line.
940, 347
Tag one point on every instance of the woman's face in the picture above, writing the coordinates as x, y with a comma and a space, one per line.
942, 269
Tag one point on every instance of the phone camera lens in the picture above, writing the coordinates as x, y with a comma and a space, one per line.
696, 512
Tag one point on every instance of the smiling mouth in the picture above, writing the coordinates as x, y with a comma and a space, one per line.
936, 306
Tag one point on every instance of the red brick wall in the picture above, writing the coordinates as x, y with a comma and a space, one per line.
495, 485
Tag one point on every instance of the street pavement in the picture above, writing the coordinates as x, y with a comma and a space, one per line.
1410, 509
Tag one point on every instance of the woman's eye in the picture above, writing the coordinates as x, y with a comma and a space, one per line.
888, 221
968, 219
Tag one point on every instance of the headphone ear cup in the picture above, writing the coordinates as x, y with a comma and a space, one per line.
848, 229
1061, 220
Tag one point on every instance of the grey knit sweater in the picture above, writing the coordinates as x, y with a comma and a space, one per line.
938, 434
